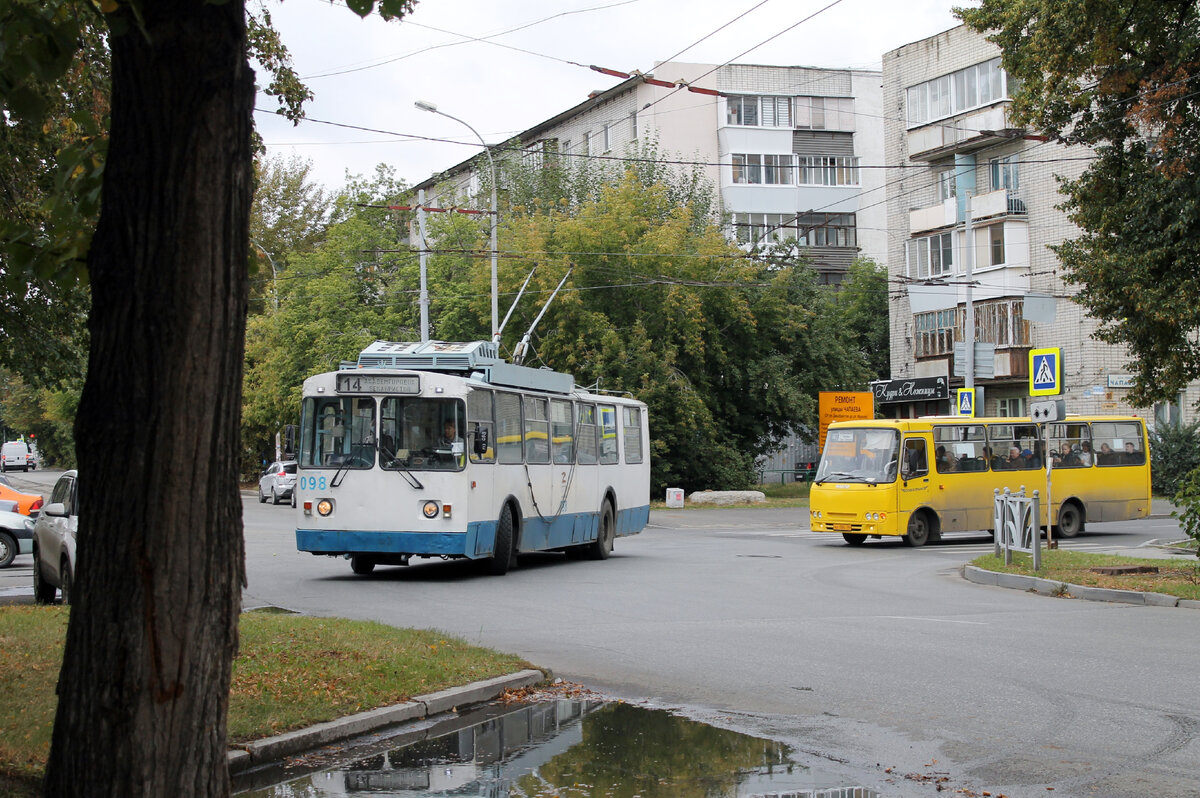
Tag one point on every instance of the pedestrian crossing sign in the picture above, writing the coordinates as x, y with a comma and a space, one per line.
1045, 372
966, 402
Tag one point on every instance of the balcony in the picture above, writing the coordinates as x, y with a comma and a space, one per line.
996, 203
959, 134
983, 206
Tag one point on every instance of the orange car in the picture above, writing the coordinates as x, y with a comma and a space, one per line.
27, 503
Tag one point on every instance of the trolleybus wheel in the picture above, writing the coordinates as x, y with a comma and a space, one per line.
502, 554
918, 530
362, 565
853, 539
1070, 520
604, 535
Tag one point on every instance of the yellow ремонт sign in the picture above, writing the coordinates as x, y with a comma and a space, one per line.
841, 406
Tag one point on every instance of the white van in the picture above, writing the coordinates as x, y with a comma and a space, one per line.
15, 454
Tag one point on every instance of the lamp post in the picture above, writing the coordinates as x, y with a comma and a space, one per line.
274, 272
433, 109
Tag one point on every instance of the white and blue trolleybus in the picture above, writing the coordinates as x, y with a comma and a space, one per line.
445, 450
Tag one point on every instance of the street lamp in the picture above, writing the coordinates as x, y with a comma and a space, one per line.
433, 109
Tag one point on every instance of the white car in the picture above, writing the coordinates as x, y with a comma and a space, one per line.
13, 455
54, 542
278, 482
16, 536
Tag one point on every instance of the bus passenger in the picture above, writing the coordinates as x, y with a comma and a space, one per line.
1106, 456
1085, 453
1131, 456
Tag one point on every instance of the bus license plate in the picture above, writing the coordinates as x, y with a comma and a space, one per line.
840, 527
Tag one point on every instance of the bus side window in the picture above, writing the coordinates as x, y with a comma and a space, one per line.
587, 434
479, 427
915, 464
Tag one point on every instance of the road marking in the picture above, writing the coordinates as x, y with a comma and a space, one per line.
931, 620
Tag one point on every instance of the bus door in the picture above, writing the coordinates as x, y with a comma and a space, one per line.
480, 439
562, 457
916, 487
537, 527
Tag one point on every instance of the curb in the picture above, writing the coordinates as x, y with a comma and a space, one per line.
1049, 587
243, 756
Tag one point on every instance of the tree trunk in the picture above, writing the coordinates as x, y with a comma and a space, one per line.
144, 687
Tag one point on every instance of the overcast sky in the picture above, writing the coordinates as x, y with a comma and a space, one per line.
533, 64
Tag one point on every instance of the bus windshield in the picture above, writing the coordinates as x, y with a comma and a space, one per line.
859, 455
413, 433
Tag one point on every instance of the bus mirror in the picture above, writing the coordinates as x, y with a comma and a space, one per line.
481, 440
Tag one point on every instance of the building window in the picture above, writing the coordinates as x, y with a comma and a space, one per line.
1002, 323
776, 111
1004, 173
741, 111
947, 185
777, 170
587, 143
1011, 407
828, 170
808, 229
996, 235
931, 256
747, 168
824, 113
936, 332
826, 229
633, 126
607, 138
955, 93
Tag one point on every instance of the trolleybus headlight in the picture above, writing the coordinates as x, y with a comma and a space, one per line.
325, 507
431, 509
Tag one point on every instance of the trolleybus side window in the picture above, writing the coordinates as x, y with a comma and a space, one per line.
537, 430
1070, 445
1118, 443
562, 431
608, 434
1015, 447
587, 434
632, 427
480, 425
960, 448
508, 428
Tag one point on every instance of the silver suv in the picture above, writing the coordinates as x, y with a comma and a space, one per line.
54, 542
278, 482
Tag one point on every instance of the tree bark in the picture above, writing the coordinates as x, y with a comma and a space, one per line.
143, 693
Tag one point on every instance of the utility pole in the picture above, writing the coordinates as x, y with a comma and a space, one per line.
424, 296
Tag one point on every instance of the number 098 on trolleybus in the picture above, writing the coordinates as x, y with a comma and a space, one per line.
445, 450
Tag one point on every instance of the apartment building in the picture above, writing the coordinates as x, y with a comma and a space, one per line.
790, 149
971, 202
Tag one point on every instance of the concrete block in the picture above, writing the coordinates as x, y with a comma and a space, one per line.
275, 748
979, 576
725, 497
1189, 604
475, 692
1018, 581
238, 759
1161, 600
1108, 594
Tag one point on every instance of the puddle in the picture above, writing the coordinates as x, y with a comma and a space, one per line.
563, 747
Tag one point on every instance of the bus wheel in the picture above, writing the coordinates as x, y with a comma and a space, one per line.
854, 540
604, 536
1070, 520
362, 565
918, 530
502, 554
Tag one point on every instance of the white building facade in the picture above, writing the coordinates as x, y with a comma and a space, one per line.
972, 205
788, 149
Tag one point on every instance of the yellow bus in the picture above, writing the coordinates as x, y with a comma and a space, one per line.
918, 478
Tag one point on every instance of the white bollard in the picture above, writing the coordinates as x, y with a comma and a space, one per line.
674, 497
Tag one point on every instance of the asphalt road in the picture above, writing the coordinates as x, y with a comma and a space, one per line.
864, 659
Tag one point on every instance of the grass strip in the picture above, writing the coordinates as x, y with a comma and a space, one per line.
1175, 577
292, 671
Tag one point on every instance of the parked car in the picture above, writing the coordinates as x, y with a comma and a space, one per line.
14, 455
16, 536
54, 542
278, 482
27, 503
